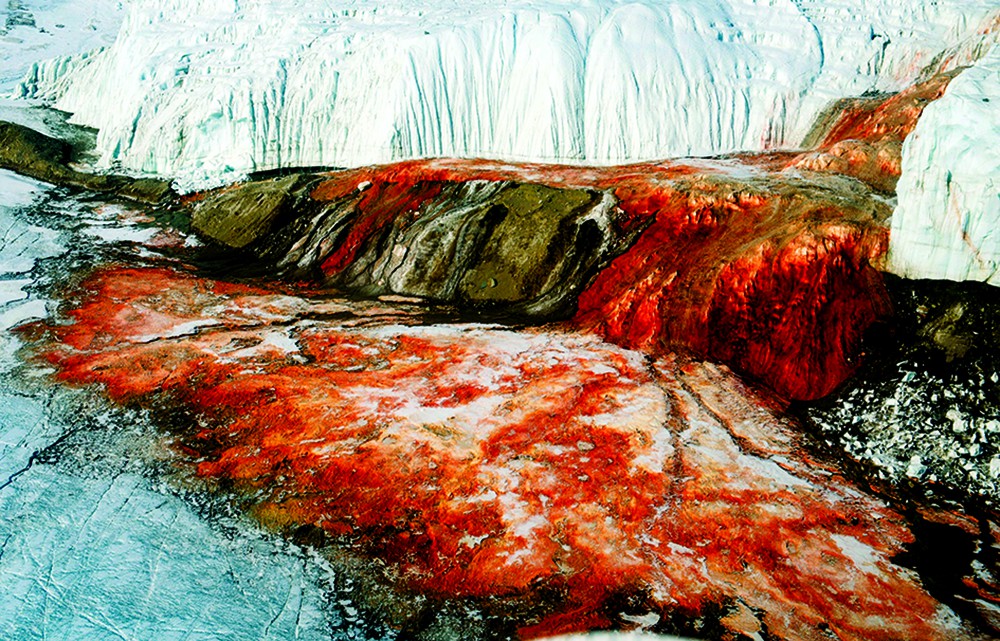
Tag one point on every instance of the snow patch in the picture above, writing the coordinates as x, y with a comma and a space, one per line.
180, 329
863, 556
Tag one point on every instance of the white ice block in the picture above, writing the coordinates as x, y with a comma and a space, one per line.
947, 222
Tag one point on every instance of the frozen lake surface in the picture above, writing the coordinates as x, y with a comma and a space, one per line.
92, 546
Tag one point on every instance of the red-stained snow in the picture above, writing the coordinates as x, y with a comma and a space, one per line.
482, 462
866, 139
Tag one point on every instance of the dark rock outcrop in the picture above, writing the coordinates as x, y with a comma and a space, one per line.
36, 155
240, 216
747, 260
516, 247
924, 409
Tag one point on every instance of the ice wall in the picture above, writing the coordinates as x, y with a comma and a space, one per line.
208, 89
947, 222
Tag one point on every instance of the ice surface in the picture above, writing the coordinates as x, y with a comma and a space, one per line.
22, 244
24, 428
947, 222
36, 30
18, 191
95, 553
107, 559
205, 90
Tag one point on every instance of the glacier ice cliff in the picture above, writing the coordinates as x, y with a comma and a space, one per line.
207, 91
947, 222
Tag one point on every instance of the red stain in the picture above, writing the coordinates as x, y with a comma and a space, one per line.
866, 140
382, 203
777, 287
485, 463
773, 283
403, 188
768, 284
893, 118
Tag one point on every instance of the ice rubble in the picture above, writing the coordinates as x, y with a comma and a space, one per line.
947, 222
205, 90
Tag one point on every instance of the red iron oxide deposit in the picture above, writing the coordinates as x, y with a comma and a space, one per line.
592, 458
479, 462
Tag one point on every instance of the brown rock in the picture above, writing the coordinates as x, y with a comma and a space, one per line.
239, 215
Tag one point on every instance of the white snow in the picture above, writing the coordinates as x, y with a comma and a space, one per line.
13, 290
863, 555
19, 191
947, 222
22, 245
205, 90
61, 28
109, 234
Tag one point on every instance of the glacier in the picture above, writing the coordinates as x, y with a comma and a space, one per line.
205, 91
947, 222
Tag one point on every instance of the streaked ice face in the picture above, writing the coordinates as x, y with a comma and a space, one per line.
945, 226
206, 91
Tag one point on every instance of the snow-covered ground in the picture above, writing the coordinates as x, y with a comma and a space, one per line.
33, 30
205, 90
947, 223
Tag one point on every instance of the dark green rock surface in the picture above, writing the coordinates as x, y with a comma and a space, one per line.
239, 216
42, 157
503, 246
